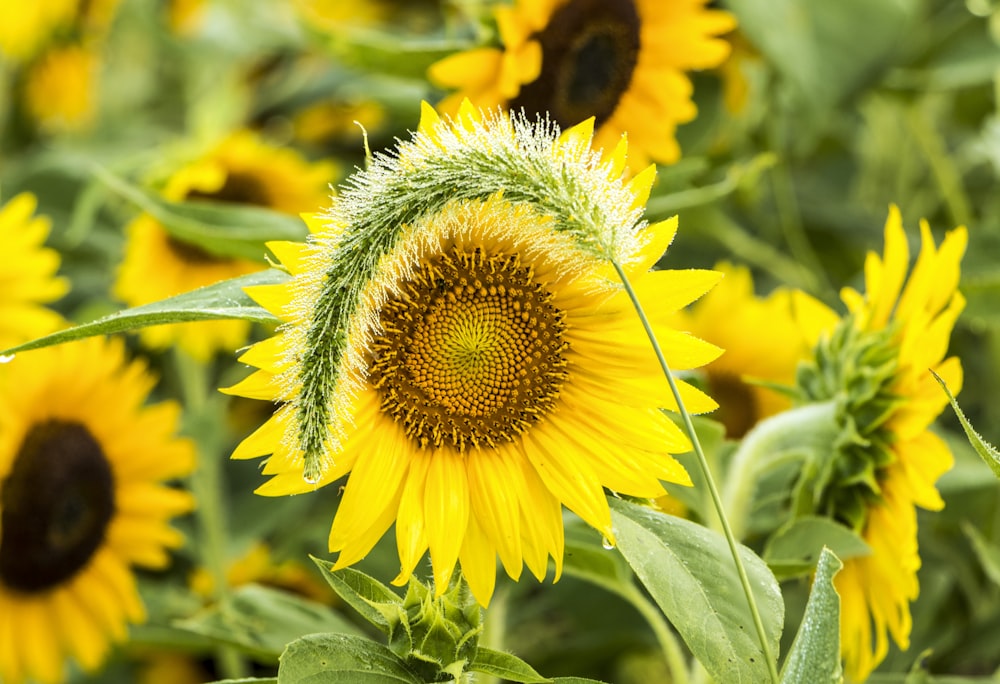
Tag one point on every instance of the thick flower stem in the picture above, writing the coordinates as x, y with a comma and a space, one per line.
709, 480
788, 435
206, 485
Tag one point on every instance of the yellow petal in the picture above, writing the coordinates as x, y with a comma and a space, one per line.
446, 513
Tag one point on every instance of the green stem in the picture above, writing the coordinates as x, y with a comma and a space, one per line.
672, 651
772, 442
206, 485
945, 172
707, 474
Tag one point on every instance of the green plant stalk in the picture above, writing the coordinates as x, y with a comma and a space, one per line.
210, 511
672, 653
770, 443
707, 473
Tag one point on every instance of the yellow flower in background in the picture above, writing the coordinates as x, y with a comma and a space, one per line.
258, 566
497, 370
902, 331
763, 340
243, 169
28, 274
60, 88
82, 501
25, 27
623, 62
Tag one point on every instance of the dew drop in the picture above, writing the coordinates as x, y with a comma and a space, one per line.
311, 474
6, 358
607, 543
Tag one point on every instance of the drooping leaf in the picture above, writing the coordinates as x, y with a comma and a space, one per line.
814, 657
341, 659
795, 548
826, 49
986, 451
986, 552
261, 621
223, 300
221, 229
689, 571
375, 602
505, 666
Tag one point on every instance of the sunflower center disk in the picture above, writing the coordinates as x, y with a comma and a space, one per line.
56, 505
471, 352
590, 48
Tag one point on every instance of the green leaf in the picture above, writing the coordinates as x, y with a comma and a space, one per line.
374, 601
986, 451
794, 549
261, 621
505, 666
815, 654
826, 49
987, 553
387, 52
247, 680
576, 680
220, 228
223, 300
585, 558
688, 569
341, 659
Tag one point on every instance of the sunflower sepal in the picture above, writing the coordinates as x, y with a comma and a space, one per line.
442, 632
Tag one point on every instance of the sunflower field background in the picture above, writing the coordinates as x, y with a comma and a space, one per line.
295, 291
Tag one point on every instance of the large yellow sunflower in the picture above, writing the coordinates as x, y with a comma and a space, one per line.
620, 61
27, 274
494, 369
82, 463
242, 169
893, 335
764, 342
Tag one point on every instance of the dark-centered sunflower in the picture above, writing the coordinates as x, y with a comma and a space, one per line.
875, 362
242, 169
492, 368
623, 62
764, 338
82, 501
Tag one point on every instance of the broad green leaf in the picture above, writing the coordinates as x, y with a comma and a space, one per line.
261, 621
375, 602
576, 680
221, 229
247, 680
986, 451
814, 657
223, 300
505, 666
826, 49
987, 552
341, 659
795, 548
585, 558
689, 571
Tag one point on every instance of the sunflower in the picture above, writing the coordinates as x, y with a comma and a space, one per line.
878, 358
60, 88
620, 61
764, 343
243, 169
81, 501
27, 277
493, 369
